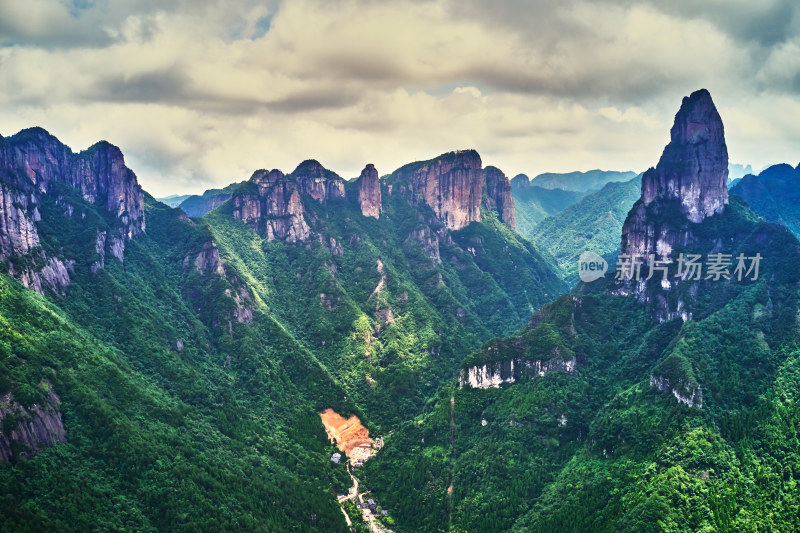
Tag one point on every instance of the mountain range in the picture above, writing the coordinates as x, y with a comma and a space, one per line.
166, 373
630, 404
178, 368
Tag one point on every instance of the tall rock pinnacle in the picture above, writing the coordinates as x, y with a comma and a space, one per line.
694, 165
369, 192
499, 197
688, 184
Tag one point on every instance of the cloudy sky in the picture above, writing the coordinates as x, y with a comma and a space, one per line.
200, 93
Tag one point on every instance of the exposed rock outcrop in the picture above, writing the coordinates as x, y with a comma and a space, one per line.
32, 164
499, 197
18, 215
275, 204
452, 185
687, 185
25, 431
687, 394
275, 207
317, 181
207, 262
495, 373
429, 242
98, 172
369, 192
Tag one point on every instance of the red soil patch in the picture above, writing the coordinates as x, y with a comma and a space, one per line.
347, 433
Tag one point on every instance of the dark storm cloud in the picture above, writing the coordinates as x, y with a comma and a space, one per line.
564, 32
168, 85
173, 86
766, 23
311, 100
623, 83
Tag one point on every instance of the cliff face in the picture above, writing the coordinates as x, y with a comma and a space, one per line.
32, 164
499, 197
30, 429
274, 202
18, 216
496, 373
98, 172
687, 185
369, 192
275, 207
694, 166
453, 185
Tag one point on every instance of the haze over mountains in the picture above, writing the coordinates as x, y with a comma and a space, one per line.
164, 368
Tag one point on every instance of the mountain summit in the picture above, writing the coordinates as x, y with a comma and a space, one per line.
687, 185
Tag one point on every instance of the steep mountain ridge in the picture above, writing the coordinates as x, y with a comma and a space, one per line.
33, 165
774, 194
453, 185
606, 414
589, 181
203, 350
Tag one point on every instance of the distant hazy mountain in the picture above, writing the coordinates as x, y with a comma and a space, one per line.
197, 205
173, 200
533, 204
737, 172
774, 194
592, 180
594, 223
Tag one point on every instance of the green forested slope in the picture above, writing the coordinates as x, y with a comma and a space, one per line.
534, 204
594, 223
191, 375
160, 438
601, 448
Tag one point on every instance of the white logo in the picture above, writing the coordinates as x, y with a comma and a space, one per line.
591, 267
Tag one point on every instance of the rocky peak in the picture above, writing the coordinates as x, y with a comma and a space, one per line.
520, 181
317, 181
687, 185
694, 166
369, 192
101, 175
310, 168
499, 197
32, 163
451, 184
454, 185
98, 172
